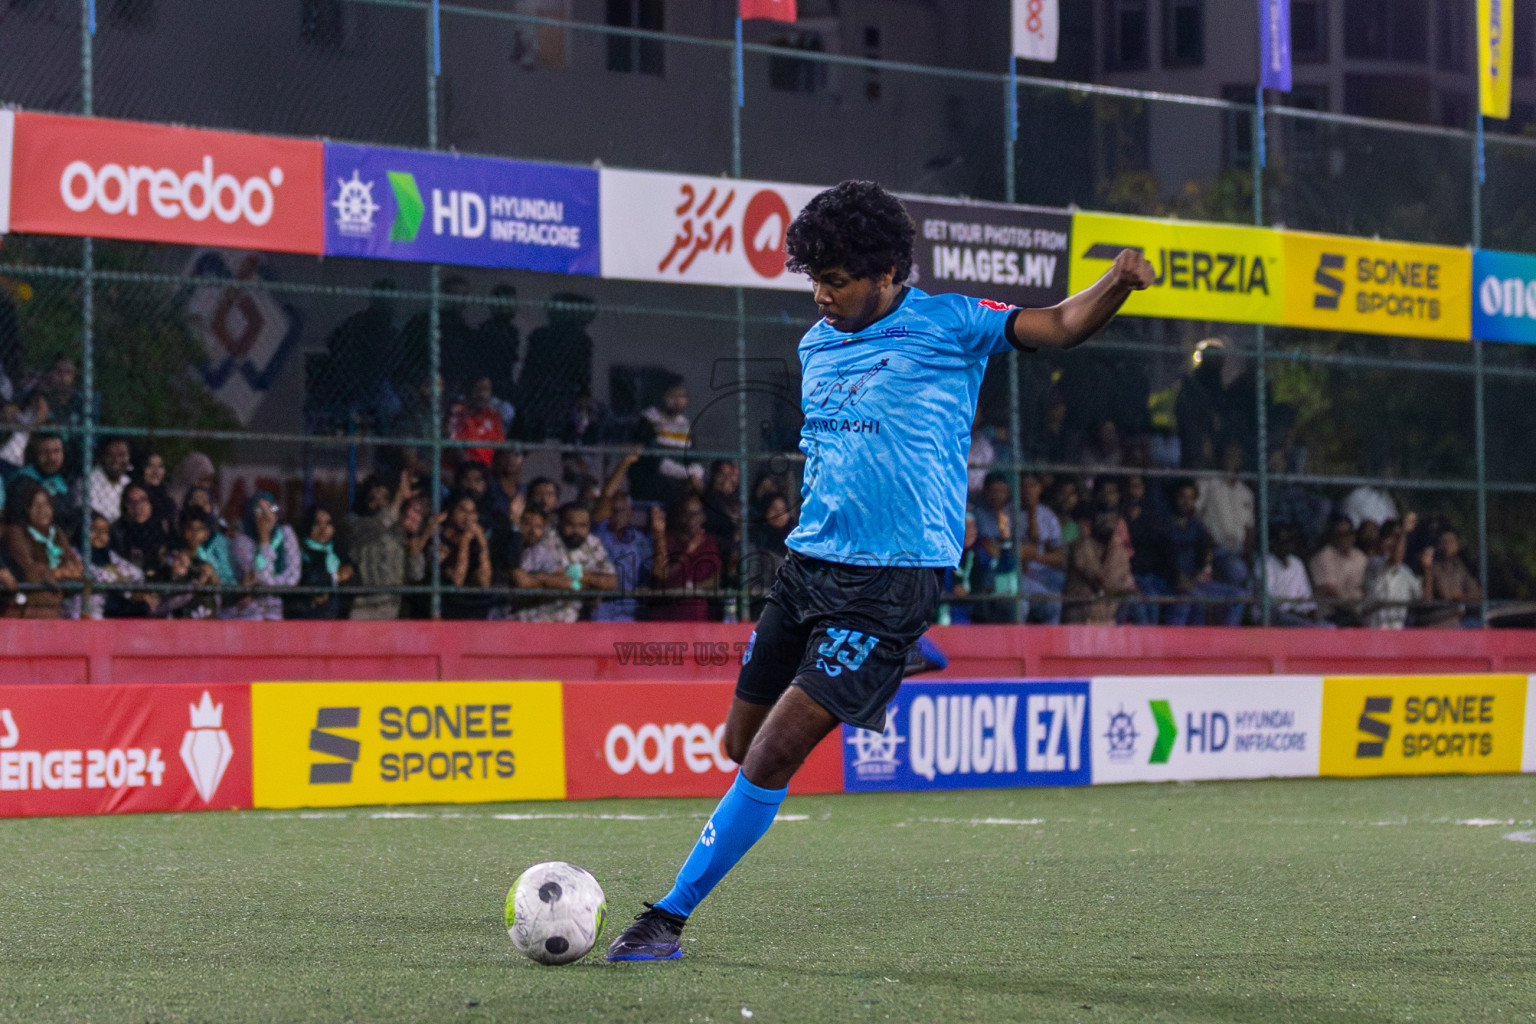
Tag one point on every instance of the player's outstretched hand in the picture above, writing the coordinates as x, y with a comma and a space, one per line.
1133, 270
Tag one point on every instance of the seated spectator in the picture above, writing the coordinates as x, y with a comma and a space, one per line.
959, 582
722, 504
40, 550
201, 536
1368, 538
264, 554
1052, 443
45, 465
470, 479
1002, 579
1104, 498
476, 418
1290, 588
418, 528
1146, 522
197, 599
567, 559
767, 550
465, 558
56, 387
138, 535
1040, 552
978, 463
665, 478
1338, 574
1191, 555
1099, 572
544, 495
152, 479
1450, 585
320, 565
194, 471
108, 478
687, 559
377, 544
996, 501
1391, 587
1062, 499
112, 573
629, 549
200, 499
1225, 505
505, 481
1103, 450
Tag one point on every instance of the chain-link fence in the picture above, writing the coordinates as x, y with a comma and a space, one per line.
409, 423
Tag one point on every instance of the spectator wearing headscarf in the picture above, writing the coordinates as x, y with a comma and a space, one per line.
321, 565
194, 470
40, 550
200, 534
152, 478
111, 571
265, 553
138, 535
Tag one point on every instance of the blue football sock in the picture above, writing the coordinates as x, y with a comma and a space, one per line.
744, 814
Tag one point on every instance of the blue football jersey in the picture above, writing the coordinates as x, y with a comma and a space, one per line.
887, 432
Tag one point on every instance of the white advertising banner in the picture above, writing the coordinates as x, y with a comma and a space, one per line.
1166, 728
695, 230
7, 138
1528, 751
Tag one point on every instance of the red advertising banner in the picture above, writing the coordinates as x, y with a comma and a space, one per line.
153, 183
664, 739
120, 749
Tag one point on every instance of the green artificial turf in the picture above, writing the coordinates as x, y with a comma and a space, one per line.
1261, 901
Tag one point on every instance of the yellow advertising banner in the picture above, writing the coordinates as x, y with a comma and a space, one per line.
1423, 725
345, 744
1204, 271
1356, 284
1495, 55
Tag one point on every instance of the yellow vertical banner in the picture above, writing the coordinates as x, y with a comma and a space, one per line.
346, 744
1495, 55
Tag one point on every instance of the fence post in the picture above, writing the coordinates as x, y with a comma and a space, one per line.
435, 331
87, 310
1260, 379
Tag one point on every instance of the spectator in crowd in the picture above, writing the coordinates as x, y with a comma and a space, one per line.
108, 478
1338, 574
194, 471
544, 495
1052, 444
418, 528
961, 582
992, 508
378, 546
1449, 584
357, 363
567, 559
466, 561
766, 537
1040, 552
1192, 554
1225, 506
1099, 572
665, 478
1285, 574
1062, 499
152, 478
1391, 587
196, 599
1105, 497
1152, 566
113, 573
506, 481
45, 466
470, 478
722, 504
56, 387
687, 559
40, 550
557, 367
1368, 539
507, 553
320, 565
200, 534
978, 463
476, 418
586, 422
264, 554
1201, 404
1103, 450
994, 528
137, 534
1367, 504
494, 346
12, 602
629, 550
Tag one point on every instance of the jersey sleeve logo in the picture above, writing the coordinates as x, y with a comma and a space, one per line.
994, 304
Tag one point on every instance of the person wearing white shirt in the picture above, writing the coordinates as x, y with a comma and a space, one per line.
1390, 584
1225, 506
1290, 588
109, 477
1367, 504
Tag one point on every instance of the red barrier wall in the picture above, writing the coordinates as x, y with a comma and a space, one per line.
208, 652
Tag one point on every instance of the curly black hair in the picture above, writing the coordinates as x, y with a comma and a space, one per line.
858, 227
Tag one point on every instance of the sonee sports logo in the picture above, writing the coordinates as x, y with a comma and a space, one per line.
1331, 285
1374, 727
321, 742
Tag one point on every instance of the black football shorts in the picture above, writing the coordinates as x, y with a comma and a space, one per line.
839, 632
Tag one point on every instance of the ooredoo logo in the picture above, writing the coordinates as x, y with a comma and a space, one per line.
665, 748
144, 182
115, 189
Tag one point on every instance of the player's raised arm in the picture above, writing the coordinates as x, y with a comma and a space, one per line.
1079, 317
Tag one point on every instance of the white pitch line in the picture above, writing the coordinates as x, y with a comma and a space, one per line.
1528, 836
1483, 822
581, 817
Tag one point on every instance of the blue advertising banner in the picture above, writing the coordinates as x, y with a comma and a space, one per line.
1503, 296
974, 735
1275, 44
397, 204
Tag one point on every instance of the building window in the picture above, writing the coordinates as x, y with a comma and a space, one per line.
628, 54
873, 87
1525, 37
1453, 35
1309, 31
1183, 33
793, 74
1387, 30
1125, 35
1237, 128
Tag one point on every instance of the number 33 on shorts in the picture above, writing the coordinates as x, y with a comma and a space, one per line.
848, 647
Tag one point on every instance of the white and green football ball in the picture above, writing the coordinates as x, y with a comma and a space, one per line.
555, 913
